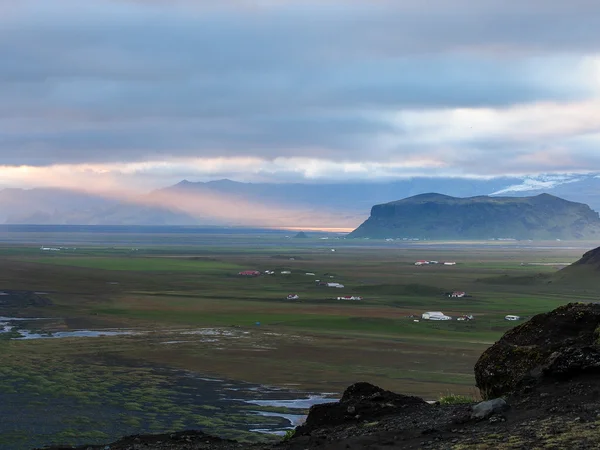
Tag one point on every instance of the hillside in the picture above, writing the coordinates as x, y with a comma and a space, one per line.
583, 272
437, 216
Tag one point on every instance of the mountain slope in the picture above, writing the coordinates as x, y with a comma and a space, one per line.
51, 206
437, 216
350, 197
584, 272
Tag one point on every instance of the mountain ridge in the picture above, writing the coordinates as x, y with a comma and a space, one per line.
348, 201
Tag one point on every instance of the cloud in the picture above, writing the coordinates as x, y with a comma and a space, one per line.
298, 90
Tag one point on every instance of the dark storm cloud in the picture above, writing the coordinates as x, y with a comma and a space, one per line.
103, 81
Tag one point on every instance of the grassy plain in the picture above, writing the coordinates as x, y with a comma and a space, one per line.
170, 292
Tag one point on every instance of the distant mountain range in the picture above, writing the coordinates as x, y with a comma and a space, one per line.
226, 202
437, 216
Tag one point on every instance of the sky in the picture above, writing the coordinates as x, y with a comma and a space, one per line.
105, 94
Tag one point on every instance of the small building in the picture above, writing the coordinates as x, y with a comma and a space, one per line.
435, 315
421, 262
350, 297
449, 263
310, 273
457, 294
293, 297
511, 317
285, 272
249, 273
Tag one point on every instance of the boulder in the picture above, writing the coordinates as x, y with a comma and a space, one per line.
553, 346
361, 401
488, 408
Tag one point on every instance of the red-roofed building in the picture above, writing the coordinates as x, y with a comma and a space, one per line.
249, 273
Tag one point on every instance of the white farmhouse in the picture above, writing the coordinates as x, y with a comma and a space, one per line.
435, 315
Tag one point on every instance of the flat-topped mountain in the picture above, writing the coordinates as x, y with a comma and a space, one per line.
437, 216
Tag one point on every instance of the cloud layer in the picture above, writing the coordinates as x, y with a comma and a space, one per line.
147, 92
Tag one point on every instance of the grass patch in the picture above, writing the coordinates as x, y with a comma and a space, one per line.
456, 399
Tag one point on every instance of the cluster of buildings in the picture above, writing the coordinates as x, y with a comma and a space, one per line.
330, 284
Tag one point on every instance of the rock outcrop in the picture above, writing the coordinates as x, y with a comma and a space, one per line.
360, 402
554, 346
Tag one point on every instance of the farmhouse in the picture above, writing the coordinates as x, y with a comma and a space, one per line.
249, 273
435, 315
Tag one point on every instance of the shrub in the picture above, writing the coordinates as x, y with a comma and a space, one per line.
454, 399
289, 434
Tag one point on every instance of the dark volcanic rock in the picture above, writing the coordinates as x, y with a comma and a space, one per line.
484, 410
22, 299
361, 401
554, 346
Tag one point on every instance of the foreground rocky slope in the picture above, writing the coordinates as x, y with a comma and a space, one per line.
436, 216
546, 370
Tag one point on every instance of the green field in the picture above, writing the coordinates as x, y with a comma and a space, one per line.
169, 294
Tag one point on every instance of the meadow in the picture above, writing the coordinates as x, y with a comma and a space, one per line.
192, 313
